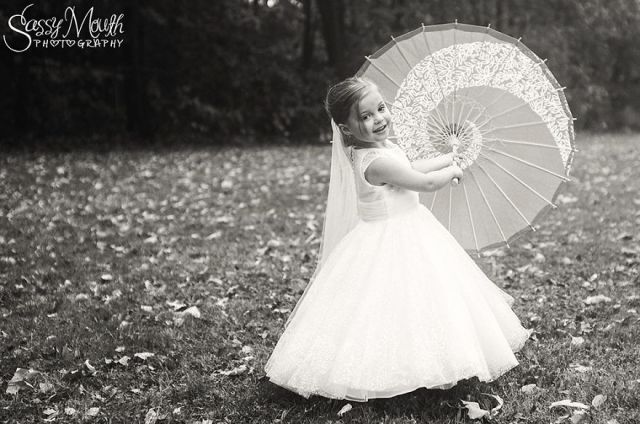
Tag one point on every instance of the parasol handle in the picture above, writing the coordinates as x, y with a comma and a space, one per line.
454, 148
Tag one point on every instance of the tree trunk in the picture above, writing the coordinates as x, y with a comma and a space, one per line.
332, 15
135, 91
308, 36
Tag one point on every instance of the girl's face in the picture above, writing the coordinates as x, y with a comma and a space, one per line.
369, 119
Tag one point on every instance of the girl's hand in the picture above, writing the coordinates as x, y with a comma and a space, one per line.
457, 158
456, 174
451, 159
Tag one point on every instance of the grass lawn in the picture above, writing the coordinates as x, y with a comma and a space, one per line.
152, 286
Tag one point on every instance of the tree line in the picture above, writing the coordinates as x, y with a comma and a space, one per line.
254, 68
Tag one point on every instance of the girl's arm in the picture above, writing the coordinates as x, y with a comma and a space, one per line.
384, 170
433, 164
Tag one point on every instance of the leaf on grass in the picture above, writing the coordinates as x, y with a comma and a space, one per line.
70, 411
214, 235
106, 278
474, 411
176, 305
344, 409
144, 355
529, 388
49, 411
494, 411
124, 360
580, 368
92, 412
568, 403
45, 387
151, 417
577, 341
90, 367
20, 380
594, 300
598, 400
566, 199
236, 371
193, 311
578, 416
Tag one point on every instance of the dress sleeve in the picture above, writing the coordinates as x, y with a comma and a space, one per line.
367, 159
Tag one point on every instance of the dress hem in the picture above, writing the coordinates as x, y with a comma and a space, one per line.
444, 386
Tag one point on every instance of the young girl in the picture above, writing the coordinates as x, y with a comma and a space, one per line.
395, 303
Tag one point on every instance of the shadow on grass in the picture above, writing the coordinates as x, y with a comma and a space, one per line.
430, 405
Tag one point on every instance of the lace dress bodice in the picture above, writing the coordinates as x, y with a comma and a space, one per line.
379, 202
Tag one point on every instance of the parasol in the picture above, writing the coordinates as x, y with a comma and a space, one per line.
486, 95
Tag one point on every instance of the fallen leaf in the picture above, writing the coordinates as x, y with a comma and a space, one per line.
144, 355
569, 404
577, 341
70, 411
344, 409
494, 411
529, 388
124, 360
578, 416
566, 199
151, 417
474, 411
214, 235
175, 304
45, 387
90, 367
598, 400
193, 311
19, 380
236, 371
92, 412
580, 368
594, 300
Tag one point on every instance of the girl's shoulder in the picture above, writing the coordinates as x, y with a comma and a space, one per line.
388, 146
363, 156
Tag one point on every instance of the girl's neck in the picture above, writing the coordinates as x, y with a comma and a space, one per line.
364, 145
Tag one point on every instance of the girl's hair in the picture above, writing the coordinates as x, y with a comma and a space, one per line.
344, 95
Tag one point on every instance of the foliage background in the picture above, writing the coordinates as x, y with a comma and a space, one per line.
256, 68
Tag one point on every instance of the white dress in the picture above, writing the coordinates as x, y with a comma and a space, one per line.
397, 306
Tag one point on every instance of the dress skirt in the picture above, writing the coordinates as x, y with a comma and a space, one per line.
398, 305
